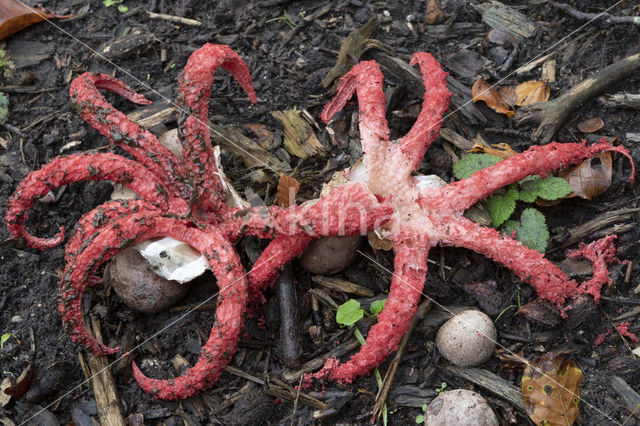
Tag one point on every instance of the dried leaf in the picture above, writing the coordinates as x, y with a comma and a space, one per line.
433, 14
551, 390
287, 189
483, 91
541, 312
591, 177
23, 383
500, 36
590, 125
502, 150
508, 94
15, 16
532, 92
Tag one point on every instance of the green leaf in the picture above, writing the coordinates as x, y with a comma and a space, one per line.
501, 207
424, 407
108, 3
531, 230
420, 419
473, 162
123, 9
377, 306
547, 188
4, 108
4, 338
349, 313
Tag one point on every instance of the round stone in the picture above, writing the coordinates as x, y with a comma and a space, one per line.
467, 339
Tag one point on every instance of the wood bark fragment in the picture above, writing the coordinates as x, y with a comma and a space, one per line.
622, 100
499, 15
630, 398
489, 381
602, 17
599, 222
342, 285
314, 364
299, 138
289, 334
175, 19
552, 115
104, 387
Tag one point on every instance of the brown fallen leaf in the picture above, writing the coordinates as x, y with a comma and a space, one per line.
532, 92
502, 150
483, 91
508, 94
591, 125
591, 177
551, 390
541, 312
23, 382
15, 16
433, 14
287, 189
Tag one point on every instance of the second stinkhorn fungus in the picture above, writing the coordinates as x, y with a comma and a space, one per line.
426, 217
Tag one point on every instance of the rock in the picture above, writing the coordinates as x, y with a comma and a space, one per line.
330, 255
460, 408
467, 339
138, 286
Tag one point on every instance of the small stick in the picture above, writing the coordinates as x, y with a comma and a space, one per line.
176, 19
288, 319
104, 387
552, 115
383, 392
604, 18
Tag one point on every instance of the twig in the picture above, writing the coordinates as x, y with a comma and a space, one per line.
625, 100
552, 115
603, 18
176, 19
383, 392
489, 381
630, 398
314, 364
104, 388
288, 319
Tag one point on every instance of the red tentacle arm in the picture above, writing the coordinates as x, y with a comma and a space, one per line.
601, 253
139, 142
436, 101
280, 251
530, 265
349, 209
76, 168
112, 238
85, 229
410, 267
193, 102
366, 80
537, 160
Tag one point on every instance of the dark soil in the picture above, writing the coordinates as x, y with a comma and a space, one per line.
287, 67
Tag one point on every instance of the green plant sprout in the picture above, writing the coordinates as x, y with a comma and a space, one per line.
504, 311
420, 418
442, 388
287, 20
532, 229
4, 338
348, 314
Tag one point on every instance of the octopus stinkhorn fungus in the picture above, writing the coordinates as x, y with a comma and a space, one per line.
185, 200
181, 199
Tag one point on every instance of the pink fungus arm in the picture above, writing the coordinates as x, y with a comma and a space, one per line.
193, 102
410, 268
601, 253
537, 160
436, 101
77, 168
139, 142
530, 265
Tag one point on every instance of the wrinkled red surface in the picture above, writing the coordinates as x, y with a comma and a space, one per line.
623, 329
424, 218
181, 200
185, 200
